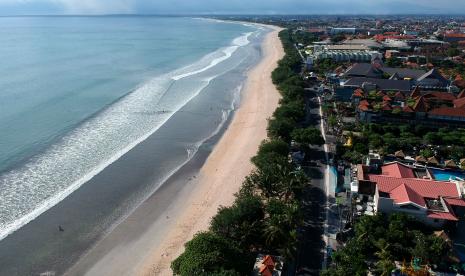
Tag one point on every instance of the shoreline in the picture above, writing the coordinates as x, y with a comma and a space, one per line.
151, 237
228, 164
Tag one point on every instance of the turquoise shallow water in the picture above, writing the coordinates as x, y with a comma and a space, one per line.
58, 71
96, 115
77, 93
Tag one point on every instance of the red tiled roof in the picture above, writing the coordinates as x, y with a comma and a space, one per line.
265, 271
425, 188
387, 98
407, 109
405, 194
360, 172
358, 93
399, 95
363, 107
441, 96
364, 102
459, 103
461, 95
268, 261
421, 105
460, 83
448, 111
399, 182
386, 107
398, 170
455, 35
442, 215
416, 92
455, 201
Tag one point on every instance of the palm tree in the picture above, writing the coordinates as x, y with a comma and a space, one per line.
385, 264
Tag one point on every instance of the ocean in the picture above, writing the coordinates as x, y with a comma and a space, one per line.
96, 113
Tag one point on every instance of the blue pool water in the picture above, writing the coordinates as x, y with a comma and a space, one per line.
445, 175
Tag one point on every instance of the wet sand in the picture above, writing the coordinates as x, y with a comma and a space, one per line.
148, 240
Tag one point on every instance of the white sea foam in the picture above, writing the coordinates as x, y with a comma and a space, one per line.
242, 40
226, 53
46, 180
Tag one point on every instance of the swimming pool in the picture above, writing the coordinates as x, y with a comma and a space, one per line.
445, 175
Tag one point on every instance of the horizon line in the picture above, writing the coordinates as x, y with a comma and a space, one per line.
232, 14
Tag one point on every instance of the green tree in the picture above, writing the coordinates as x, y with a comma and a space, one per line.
294, 110
332, 120
271, 147
281, 128
393, 62
309, 136
210, 253
452, 52
277, 178
426, 153
385, 263
280, 227
338, 38
242, 222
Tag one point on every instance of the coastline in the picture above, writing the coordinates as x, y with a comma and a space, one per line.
148, 240
228, 164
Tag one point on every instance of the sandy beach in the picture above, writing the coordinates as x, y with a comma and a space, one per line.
228, 164
149, 239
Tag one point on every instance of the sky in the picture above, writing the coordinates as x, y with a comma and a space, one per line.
95, 7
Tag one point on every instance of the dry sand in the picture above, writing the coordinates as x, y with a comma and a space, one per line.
148, 240
228, 164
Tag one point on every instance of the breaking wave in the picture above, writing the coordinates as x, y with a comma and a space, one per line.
47, 179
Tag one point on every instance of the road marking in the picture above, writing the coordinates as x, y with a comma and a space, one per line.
327, 186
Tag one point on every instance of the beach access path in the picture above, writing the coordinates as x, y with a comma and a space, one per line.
141, 246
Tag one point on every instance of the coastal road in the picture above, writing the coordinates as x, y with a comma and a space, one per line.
320, 214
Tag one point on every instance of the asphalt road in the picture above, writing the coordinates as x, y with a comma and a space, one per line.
321, 220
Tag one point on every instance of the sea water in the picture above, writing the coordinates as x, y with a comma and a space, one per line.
78, 93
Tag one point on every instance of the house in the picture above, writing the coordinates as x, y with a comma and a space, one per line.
398, 188
267, 265
435, 108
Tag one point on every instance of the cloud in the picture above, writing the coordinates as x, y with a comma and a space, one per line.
96, 6
231, 6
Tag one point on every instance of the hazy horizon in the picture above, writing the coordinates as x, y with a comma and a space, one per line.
243, 7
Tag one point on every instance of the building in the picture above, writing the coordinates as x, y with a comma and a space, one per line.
335, 31
344, 52
369, 70
370, 84
454, 37
267, 265
369, 43
436, 109
431, 80
400, 188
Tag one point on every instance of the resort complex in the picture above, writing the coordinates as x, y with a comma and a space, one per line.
385, 183
209, 143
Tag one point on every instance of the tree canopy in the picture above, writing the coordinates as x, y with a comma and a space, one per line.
309, 136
